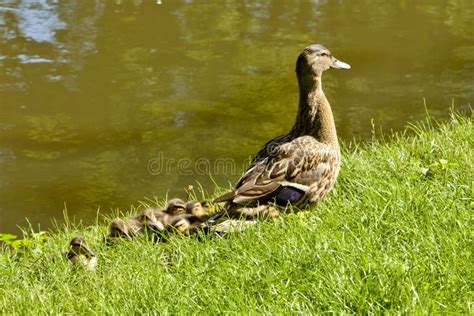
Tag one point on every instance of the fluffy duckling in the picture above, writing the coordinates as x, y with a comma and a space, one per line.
80, 254
162, 217
192, 221
144, 223
118, 228
176, 207
186, 224
196, 208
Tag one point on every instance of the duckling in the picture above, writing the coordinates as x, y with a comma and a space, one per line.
118, 228
144, 223
186, 224
162, 217
80, 254
301, 167
196, 208
176, 207
192, 221
182, 224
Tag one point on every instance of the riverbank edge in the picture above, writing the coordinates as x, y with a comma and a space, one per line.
394, 235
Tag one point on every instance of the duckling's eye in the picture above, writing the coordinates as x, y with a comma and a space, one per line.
324, 54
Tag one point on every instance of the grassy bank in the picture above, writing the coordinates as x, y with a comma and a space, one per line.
395, 234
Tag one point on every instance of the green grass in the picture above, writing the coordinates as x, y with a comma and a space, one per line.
394, 235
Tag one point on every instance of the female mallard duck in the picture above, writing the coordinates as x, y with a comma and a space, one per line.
298, 168
80, 254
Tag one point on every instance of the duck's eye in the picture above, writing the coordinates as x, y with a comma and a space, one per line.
324, 54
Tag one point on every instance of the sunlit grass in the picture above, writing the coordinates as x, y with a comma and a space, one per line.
394, 235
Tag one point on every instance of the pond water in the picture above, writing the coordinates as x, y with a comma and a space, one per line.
103, 103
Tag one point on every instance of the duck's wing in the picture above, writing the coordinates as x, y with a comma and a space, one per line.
297, 164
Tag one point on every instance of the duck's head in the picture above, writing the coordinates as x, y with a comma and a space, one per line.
119, 229
176, 207
80, 254
315, 59
78, 247
196, 208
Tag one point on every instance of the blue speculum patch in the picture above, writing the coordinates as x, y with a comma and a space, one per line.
288, 195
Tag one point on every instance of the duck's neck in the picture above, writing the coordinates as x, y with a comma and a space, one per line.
314, 116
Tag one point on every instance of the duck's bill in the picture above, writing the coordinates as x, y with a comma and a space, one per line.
337, 64
88, 252
156, 227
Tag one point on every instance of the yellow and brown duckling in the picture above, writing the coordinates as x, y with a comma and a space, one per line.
196, 208
192, 221
163, 218
80, 254
144, 223
118, 229
175, 207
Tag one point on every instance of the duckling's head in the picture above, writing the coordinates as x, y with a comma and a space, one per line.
118, 229
79, 247
315, 59
196, 208
80, 254
176, 207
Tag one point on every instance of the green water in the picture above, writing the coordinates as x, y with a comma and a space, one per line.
105, 102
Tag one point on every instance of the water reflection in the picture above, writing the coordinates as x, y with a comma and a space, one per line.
39, 20
92, 91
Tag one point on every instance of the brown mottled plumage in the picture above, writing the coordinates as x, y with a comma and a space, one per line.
175, 207
144, 223
162, 217
80, 254
192, 221
118, 229
196, 208
301, 167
